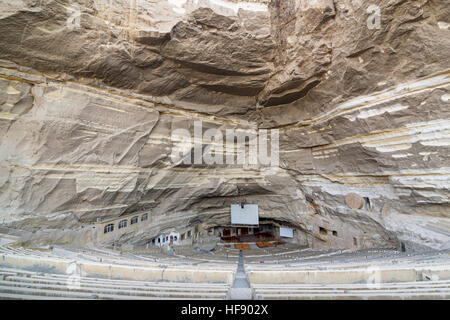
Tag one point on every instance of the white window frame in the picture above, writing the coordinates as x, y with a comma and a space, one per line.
108, 228
123, 223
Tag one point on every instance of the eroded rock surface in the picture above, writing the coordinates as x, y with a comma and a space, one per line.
87, 110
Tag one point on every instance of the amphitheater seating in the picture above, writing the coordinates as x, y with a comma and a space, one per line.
370, 274
21, 284
112, 265
307, 257
278, 272
402, 290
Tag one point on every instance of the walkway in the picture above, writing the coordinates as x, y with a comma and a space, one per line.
241, 289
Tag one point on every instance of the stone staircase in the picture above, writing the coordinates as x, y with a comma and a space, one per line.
240, 289
22, 284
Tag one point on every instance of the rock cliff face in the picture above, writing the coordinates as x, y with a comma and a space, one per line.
91, 92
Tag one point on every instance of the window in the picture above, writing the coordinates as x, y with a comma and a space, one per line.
182, 237
159, 240
189, 234
134, 220
355, 242
335, 233
153, 241
175, 238
109, 228
144, 217
122, 224
322, 230
167, 238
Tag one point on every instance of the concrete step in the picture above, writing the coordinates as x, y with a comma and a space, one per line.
348, 268
100, 285
136, 283
356, 292
31, 293
190, 274
400, 290
108, 292
44, 293
444, 283
18, 296
347, 276
112, 282
356, 296
3, 275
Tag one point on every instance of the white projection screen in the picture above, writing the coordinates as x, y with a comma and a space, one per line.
286, 232
247, 216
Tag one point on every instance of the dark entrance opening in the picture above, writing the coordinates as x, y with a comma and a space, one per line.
403, 247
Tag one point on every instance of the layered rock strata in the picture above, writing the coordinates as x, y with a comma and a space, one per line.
91, 92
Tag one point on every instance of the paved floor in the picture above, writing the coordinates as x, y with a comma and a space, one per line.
241, 289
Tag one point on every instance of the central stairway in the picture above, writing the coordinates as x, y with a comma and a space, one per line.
241, 289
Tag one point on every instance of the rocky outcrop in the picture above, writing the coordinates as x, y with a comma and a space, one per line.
89, 102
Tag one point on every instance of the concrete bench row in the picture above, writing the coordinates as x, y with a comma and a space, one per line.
11, 250
410, 290
317, 257
111, 258
434, 259
375, 274
334, 265
102, 257
7, 272
173, 273
18, 284
136, 260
